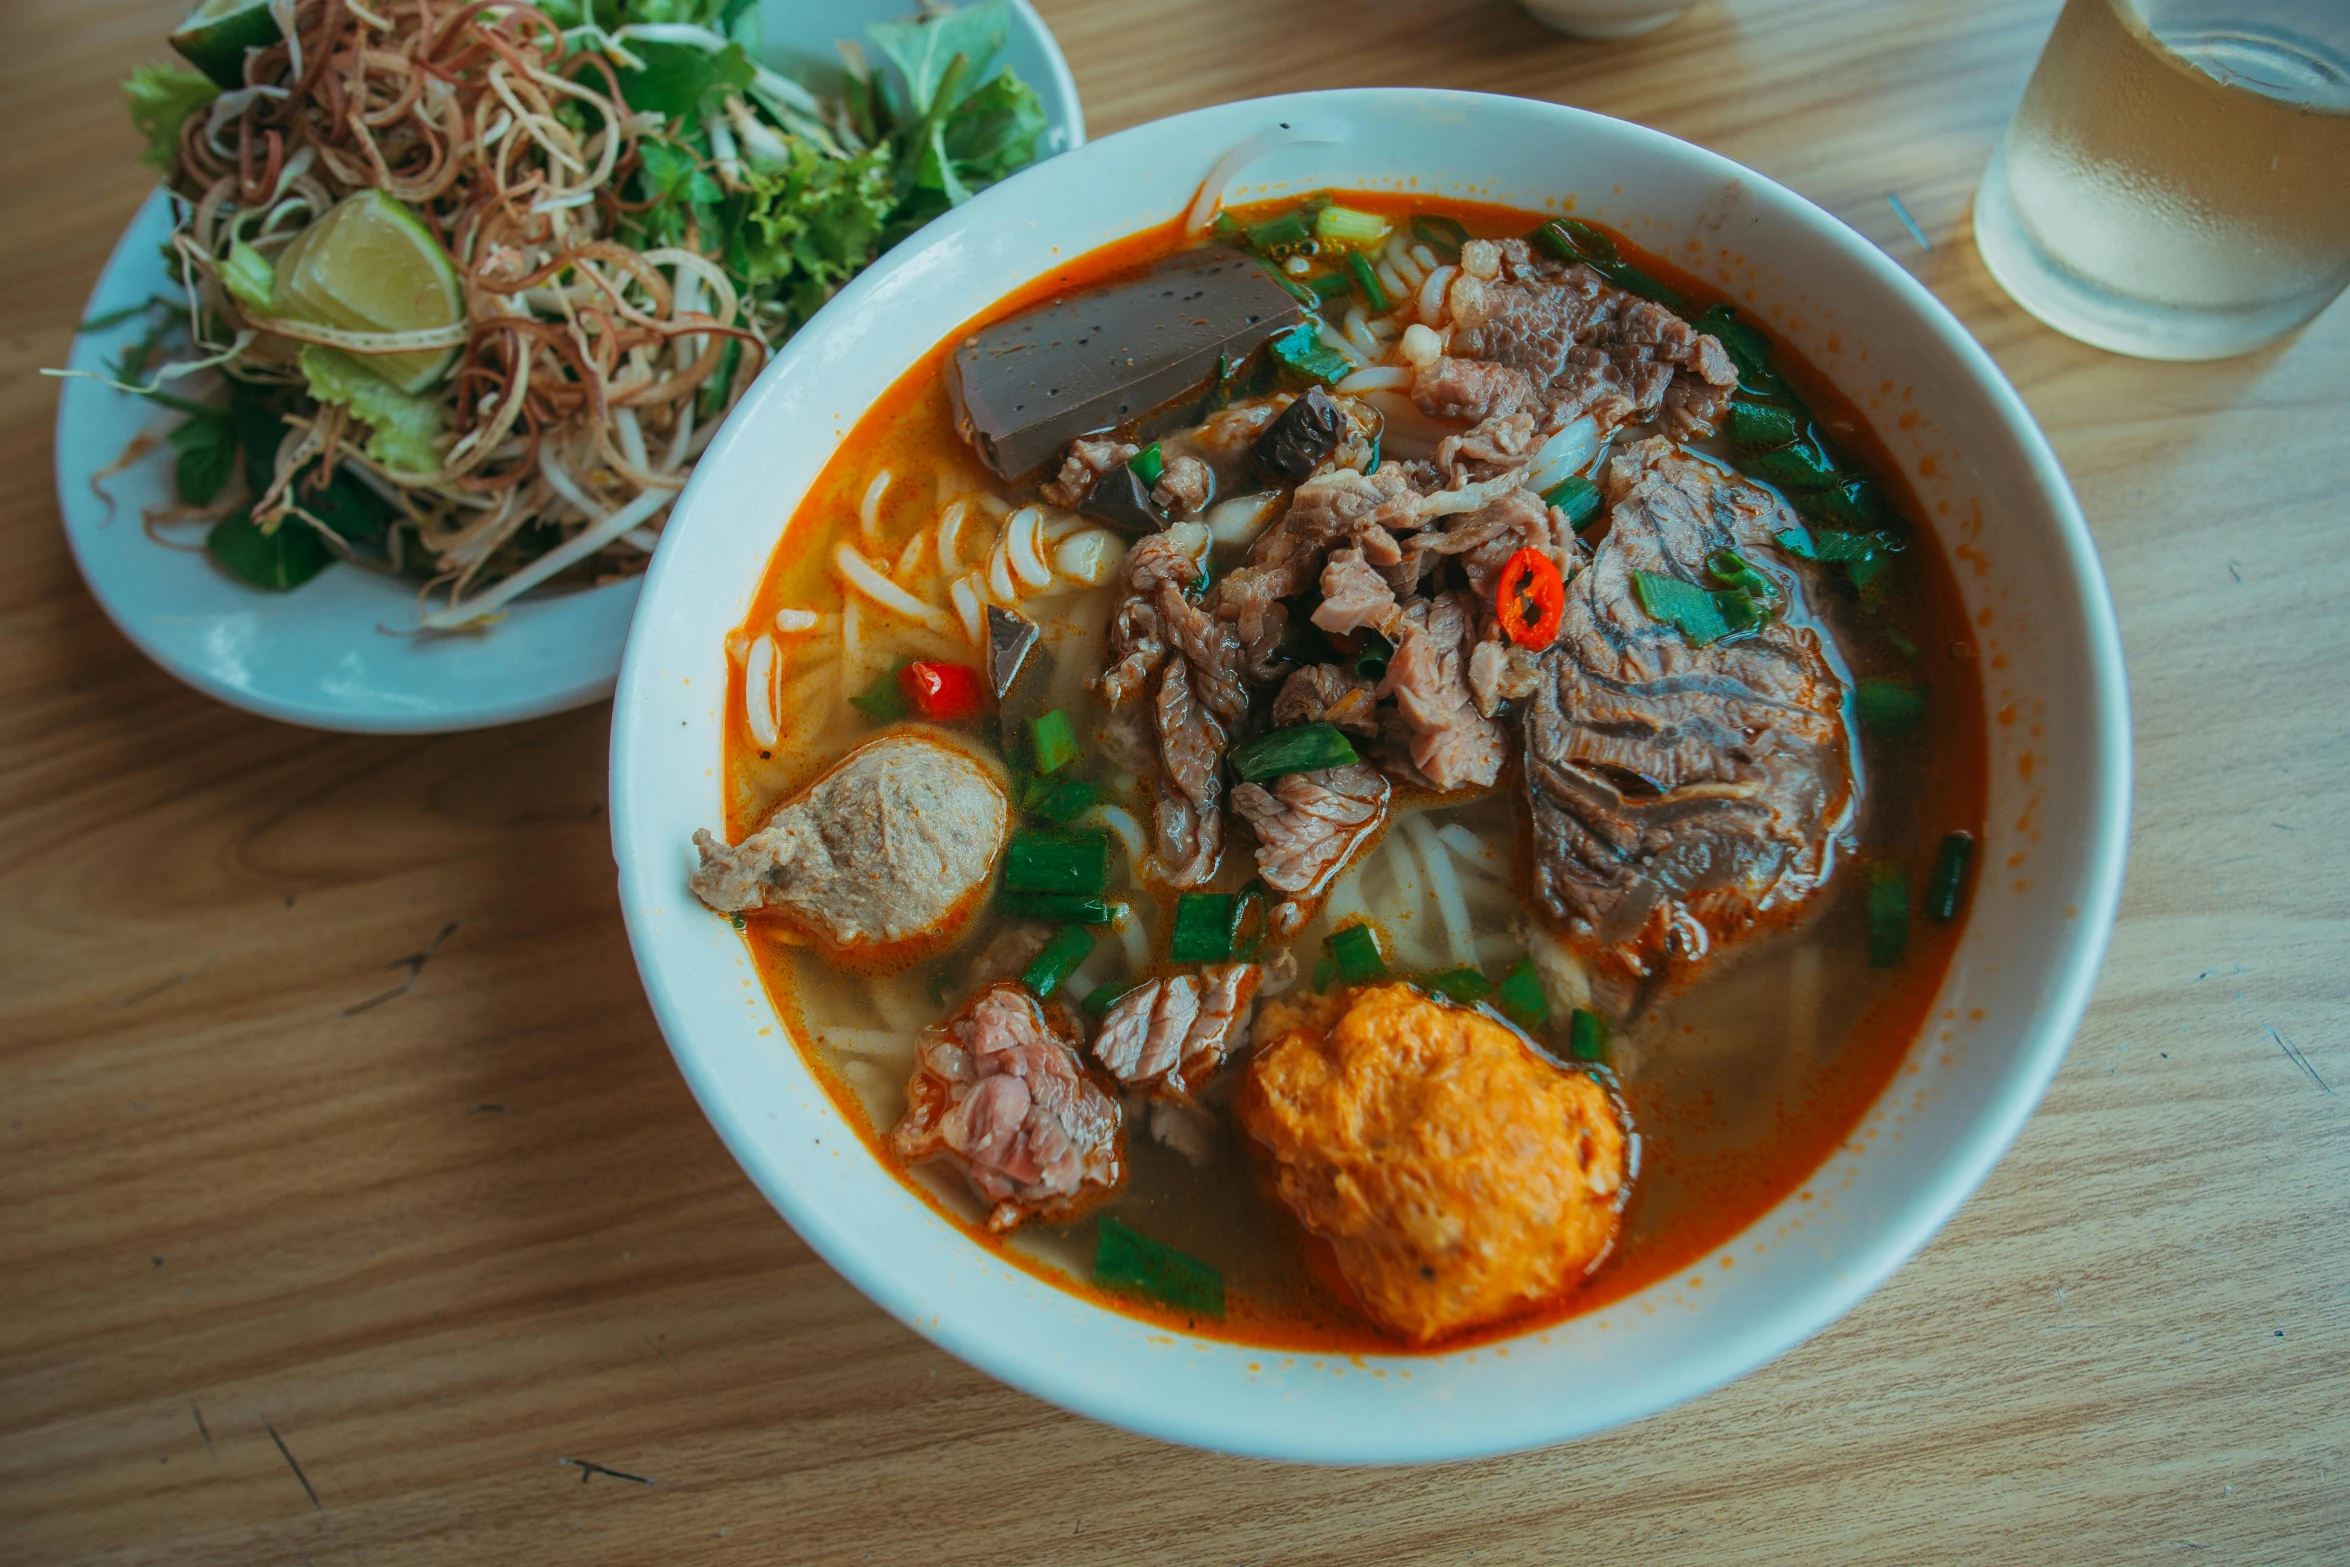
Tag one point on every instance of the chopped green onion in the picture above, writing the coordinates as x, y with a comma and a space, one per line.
1888, 913
1130, 1262
1296, 290
1702, 618
884, 701
1732, 569
1946, 887
1464, 985
1761, 427
1055, 740
1521, 996
1805, 465
1833, 548
1372, 464
1355, 949
1748, 349
1588, 1035
1901, 644
1075, 862
1373, 291
1346, 226
1873, 577
1443, 235
1227, 226
1063, 801
1634, 281
1891, 707
1738, 609
1148, 463
1202, 931
1854, 503
1325, 970
1250, 923
1070, 946
1301, 351
1062, 908
1101, 998
1302, 748
1326, 286
1572, 239
1371, 662
1276, 235
1578, 497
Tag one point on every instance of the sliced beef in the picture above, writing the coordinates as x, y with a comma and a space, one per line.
1679, 792
1586, 347
1449, 743
1328, 694
1087, 460
1308, 826
1500, 671
886, 850
1472, 388
1497, 445
1000, 1090
1484, 539
1169, 1035
1184, 486
1185, 664
1356, 598
1341, 507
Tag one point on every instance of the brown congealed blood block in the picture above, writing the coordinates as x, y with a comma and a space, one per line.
1027, 386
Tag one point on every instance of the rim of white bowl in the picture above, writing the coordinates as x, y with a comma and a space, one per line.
2095, 873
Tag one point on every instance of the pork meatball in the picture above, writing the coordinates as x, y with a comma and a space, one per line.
1459, 1177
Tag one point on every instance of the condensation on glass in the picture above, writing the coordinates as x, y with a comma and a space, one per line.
2176, 181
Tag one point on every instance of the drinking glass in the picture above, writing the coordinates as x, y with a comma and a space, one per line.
2176, 182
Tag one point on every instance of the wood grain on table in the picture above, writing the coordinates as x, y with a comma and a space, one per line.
316, 1248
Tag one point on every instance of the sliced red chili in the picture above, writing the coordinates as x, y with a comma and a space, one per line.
943, 693
1530, 599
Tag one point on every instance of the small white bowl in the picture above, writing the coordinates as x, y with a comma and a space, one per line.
2015, 989
1601, 20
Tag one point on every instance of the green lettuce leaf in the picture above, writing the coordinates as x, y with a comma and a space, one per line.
404, 430
678, 79
922, 47
280, 560
207, 455
993, 133
809, 227
160, 98
678, 188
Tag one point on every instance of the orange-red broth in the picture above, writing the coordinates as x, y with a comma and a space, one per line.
1748, 1080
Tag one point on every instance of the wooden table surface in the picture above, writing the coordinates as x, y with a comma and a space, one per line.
314, 1251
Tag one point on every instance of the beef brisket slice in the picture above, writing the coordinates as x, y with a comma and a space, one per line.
1672, 786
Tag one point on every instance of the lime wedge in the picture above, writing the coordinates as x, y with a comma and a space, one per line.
370, 266
217, 33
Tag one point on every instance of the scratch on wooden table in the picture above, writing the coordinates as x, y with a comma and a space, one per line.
154, 990
587, 1469
201, 1431
658, 1350
2294, 1055
414, 962
287, 1454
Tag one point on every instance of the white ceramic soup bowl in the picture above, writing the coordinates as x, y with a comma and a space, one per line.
2015, 990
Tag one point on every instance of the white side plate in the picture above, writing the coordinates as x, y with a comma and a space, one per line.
330, 654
